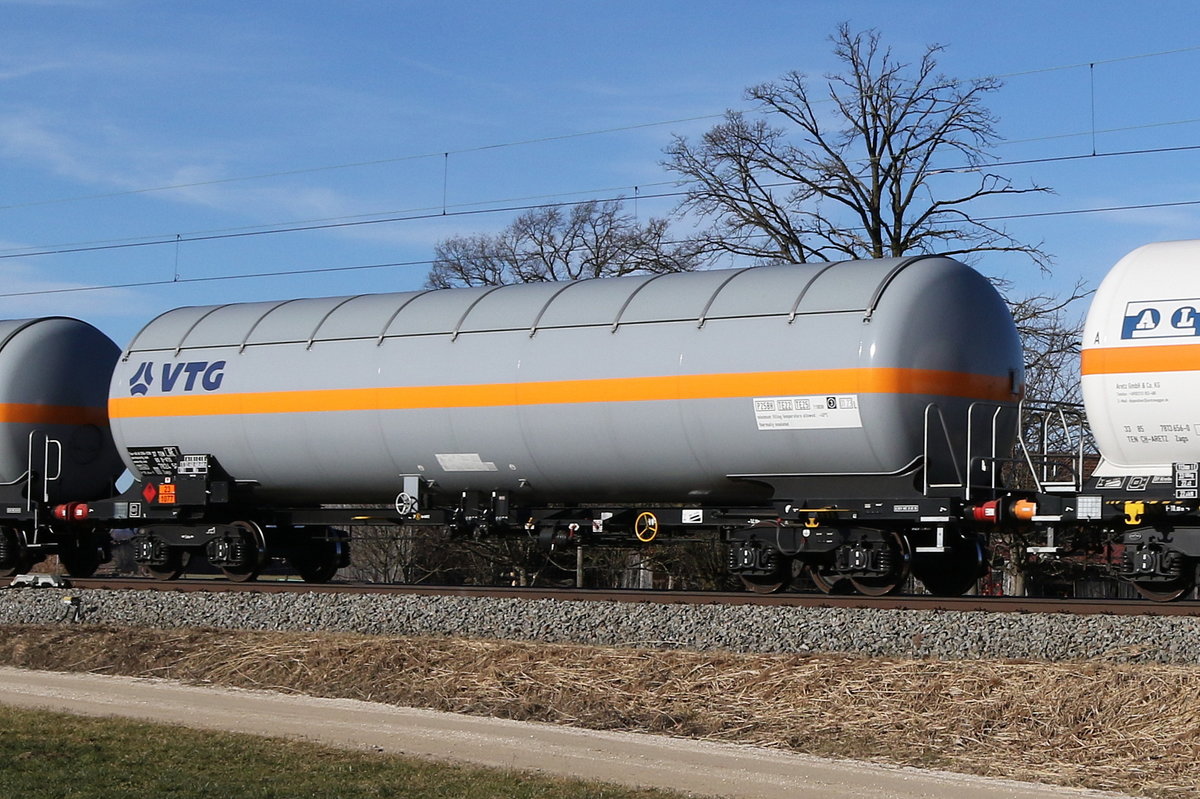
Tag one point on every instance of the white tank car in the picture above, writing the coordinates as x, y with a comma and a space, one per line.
1141, 361
699, 387
54, 376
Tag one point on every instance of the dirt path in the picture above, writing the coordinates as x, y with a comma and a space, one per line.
705, 769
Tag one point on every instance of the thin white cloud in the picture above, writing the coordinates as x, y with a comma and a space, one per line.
57, 3
8, 73
30, 137
105, 157
19, 298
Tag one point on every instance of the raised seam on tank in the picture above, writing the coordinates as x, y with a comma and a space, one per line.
133, 344
29, 323
1138, 359
719, 289
879, 380
203, 316
261, 317
533, 329
617, 321
522, 328
403, 305
887, 281
313, 336
470, 308
804, 291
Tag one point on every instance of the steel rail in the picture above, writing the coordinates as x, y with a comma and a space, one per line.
992, 604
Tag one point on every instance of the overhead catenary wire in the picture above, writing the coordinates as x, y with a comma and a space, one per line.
508, 206
446, 153
478, 205
444, 211
429, 262
212, 278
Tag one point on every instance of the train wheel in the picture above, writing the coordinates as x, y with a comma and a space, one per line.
763, 584
1165, 591
954, 572
826, 580
889, 583
177, 561
317, 572
14, 558
786, 569
80, 555
318, 559
255, 543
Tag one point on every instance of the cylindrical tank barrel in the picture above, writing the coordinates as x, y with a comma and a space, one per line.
54, 380
688, 387
1141, 361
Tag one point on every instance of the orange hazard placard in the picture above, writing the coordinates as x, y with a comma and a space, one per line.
166, 494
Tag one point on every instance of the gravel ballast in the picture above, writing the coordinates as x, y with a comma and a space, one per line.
736, 628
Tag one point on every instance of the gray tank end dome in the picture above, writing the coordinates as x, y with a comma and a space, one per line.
54, 377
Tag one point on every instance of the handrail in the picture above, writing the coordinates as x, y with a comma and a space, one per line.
1049, 445
48, 478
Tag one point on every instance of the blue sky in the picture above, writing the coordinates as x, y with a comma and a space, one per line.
131, 122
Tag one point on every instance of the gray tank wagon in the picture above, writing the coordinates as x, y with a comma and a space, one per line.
791, 392
55, 443
653, 388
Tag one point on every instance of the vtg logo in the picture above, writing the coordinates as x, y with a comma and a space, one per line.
182, 376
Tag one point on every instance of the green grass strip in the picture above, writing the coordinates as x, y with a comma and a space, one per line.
57, 756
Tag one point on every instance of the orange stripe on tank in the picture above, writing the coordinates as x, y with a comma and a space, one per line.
574, 392
1135, 359
32, 413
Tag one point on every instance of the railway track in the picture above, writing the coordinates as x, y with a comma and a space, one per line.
1121, 607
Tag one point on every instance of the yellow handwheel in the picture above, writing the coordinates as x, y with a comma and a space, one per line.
646, 527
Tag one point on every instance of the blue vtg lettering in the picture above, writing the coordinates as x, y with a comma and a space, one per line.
177, 377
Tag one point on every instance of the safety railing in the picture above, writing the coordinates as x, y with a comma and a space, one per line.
1043, 447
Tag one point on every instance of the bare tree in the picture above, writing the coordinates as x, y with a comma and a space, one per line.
1050, 326
881, 160
590, 239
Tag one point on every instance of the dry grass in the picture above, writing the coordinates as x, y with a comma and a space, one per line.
1132, 728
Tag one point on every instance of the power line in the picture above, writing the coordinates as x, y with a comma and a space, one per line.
418, 214
1079, 211
1118, 59
180, 239
445, 154
426, 262
1082, 133
1077, 157
213, 278
137, 241
468, 210
480, 205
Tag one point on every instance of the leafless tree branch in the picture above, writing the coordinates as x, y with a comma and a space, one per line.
591, 239
867, 179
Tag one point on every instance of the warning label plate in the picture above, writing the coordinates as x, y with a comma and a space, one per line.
816, 412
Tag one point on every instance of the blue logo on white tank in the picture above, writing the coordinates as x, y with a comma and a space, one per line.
1161, 319
142, 379
177, 378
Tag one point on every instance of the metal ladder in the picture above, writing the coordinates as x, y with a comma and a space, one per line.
47, 452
